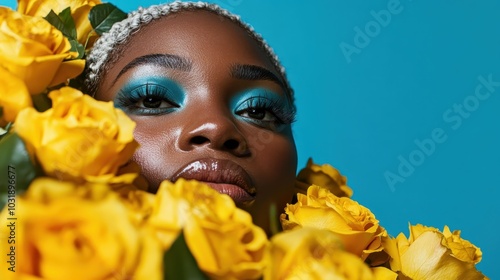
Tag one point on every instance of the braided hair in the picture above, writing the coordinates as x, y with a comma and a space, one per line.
109, 46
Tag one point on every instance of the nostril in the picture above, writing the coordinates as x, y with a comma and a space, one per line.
231, 144
198, 140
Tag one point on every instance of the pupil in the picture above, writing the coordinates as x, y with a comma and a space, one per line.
151, 102
257, 113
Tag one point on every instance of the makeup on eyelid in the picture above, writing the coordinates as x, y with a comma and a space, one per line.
156, 91
277, 109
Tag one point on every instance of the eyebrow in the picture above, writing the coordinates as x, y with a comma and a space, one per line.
254, 72
163, 60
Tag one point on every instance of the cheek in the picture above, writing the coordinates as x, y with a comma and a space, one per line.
274, 168
276, 159
156, 153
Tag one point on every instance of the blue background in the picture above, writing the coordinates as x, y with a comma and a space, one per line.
363, 112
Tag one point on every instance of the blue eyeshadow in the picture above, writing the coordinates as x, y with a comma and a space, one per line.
160, 89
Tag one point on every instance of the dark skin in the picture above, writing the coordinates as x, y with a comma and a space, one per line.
208, 123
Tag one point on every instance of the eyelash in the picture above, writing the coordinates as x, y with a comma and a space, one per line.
128, 100
276, 108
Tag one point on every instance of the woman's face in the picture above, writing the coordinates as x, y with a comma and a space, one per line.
209, 105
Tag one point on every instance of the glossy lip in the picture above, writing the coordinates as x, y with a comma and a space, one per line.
224, 176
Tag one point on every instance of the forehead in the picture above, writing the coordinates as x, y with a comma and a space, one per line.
203, 37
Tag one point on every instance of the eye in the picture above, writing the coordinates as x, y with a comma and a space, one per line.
153, 102
261, 114
148, 99
266, 112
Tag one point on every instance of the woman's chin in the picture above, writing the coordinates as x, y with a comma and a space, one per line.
264, 216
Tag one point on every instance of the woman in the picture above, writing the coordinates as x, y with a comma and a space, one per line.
210, 100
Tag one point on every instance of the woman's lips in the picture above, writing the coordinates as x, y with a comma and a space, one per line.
222, 175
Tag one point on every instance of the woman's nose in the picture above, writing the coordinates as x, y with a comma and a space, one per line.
215, 131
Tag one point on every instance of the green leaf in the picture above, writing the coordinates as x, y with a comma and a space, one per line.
55, 21
41, 102
274, 222
63, 22
8, 126
69, 23
77, 47
103, 16
16, 167
5, 130
179, 263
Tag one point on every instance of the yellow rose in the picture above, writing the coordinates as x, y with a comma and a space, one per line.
222, 238
14, 97
461, 248
79, 137
310, 253
65, 232
79, 11
140, 202
325, 176
428, 254
355, 224
35, 51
